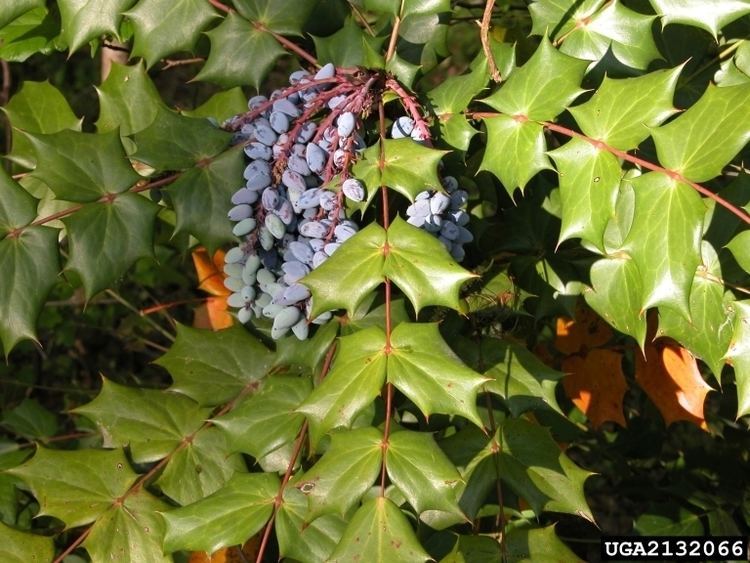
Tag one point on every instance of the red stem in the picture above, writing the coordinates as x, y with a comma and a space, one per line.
219, 6
79, 540
293, 47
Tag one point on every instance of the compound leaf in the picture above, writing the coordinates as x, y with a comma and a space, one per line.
128, 100
106, 238
150, 421
227, 517
721, 116
230, 359
345, 472
381, 530
91, 482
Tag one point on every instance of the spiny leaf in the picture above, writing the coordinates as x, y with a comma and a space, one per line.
23, 547
408, 167
379, 529
711, 313
84, 20
424, 368
29, 265
556, 18
350, 46
721, 116
518, 151
11, 10
281, 16
38, 107
237, 35
356, 378
306, 357
32, 33
404, 8
527, 545
132, 530
230, 359
201, 198
221, 105
150, 421
17, 206
91, 482
302, 540
535, 92
200, 468
422, 472
622, 112
740, 248
664, 241
596, 385
30, 420
711, 15
267, 420
589, 184
82, 166
345, 472
163, 27
227, 517
128, 100
107, 238
669, 375
474, 549
214, 312
174, 142
421, 267
739, 354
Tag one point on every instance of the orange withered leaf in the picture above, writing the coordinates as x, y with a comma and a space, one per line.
670, 377
587, 330
596, 385
214, 313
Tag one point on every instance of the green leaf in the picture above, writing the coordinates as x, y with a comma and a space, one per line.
150, 421
344, 474
23, 547
516, 151
128, 100
380, 530
130, 530
589, 184
227, 517
721, 115
29, 265
625, 32
424, 368
38, 107
91, 482
740, 248
421, 267
527, 545
230, 359
416, 261
202, 467
107, 238
201, 198
349, 46
344, 280
404, 8
664, 241
669, 520
82, 167
163, 27
617, 295
422, 472
174, 142
356, 378
305, 357
711, 313
623, 112
32, 33
739, 355
221, 105
301, 540
84, 20
237, 35
536, 93
711, 15
11, 10
31, 420
281, 16
17, 206
267, 420
474, 549
556, 18
408, 167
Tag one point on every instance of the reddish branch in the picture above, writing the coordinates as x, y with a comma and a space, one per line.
630, 158
484, 35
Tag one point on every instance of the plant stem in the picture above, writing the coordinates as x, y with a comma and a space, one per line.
79, 540
484, 35
293, 47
